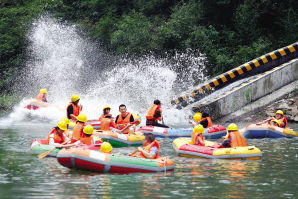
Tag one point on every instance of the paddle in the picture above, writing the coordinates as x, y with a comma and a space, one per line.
133, 152
264, 121
45, 154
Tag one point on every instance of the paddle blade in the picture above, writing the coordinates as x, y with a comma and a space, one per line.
45, 154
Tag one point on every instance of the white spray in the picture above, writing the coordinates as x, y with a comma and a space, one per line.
60, 61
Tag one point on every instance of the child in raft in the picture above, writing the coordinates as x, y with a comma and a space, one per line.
150, 150
197, 137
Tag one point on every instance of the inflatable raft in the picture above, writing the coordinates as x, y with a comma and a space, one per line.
211, 151
214, 132
120, 140
40, 145
101, 162
94, 123
36, 104
267, 131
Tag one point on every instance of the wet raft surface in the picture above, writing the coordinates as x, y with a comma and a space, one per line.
22, 175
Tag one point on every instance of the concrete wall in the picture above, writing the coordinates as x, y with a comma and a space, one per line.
263, 85
256, 66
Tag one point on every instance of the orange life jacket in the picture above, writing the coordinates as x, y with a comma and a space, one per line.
104, 116
76, 110
237, 139
122, 123
87, 140
194, 138
106, 123
151, 112
147, 149
285, 121
209, 121
77, 131
57, 138
41, 97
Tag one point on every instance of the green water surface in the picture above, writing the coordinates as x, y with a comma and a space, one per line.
23, 175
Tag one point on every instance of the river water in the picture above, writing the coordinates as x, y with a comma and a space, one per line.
23, 175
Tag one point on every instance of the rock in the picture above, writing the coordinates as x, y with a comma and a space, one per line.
289, 105
283, 105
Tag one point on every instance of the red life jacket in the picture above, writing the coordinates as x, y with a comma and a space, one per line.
237, 140
285, 121
209, 121
104, 116
147, 149
76, 110
57, 138
77, 131
151, 112
122, 123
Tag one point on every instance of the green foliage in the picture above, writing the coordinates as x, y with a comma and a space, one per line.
133, 34
7, 101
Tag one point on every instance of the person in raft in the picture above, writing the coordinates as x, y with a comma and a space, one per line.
57, 137
279, 120
77, 131
87, 137
106, 147
154, 115
42, 96
107, 124
233, 137
74, 108
124, 118
203, 119
151, 148
106, 113
197, 137
66, 120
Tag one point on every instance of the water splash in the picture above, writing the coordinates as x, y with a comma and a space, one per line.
66, 63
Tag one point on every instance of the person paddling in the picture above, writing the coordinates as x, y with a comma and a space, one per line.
279, 120
150, 149
56, 137
42, 96
87, 137
124, 118
154, 115
233, 137
74, 108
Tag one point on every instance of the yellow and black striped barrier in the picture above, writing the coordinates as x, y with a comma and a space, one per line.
208, 105
288, 52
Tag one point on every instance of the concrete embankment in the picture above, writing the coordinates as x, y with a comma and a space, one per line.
254, 67
262, 90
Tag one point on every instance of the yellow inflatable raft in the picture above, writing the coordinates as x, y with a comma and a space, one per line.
211, 151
